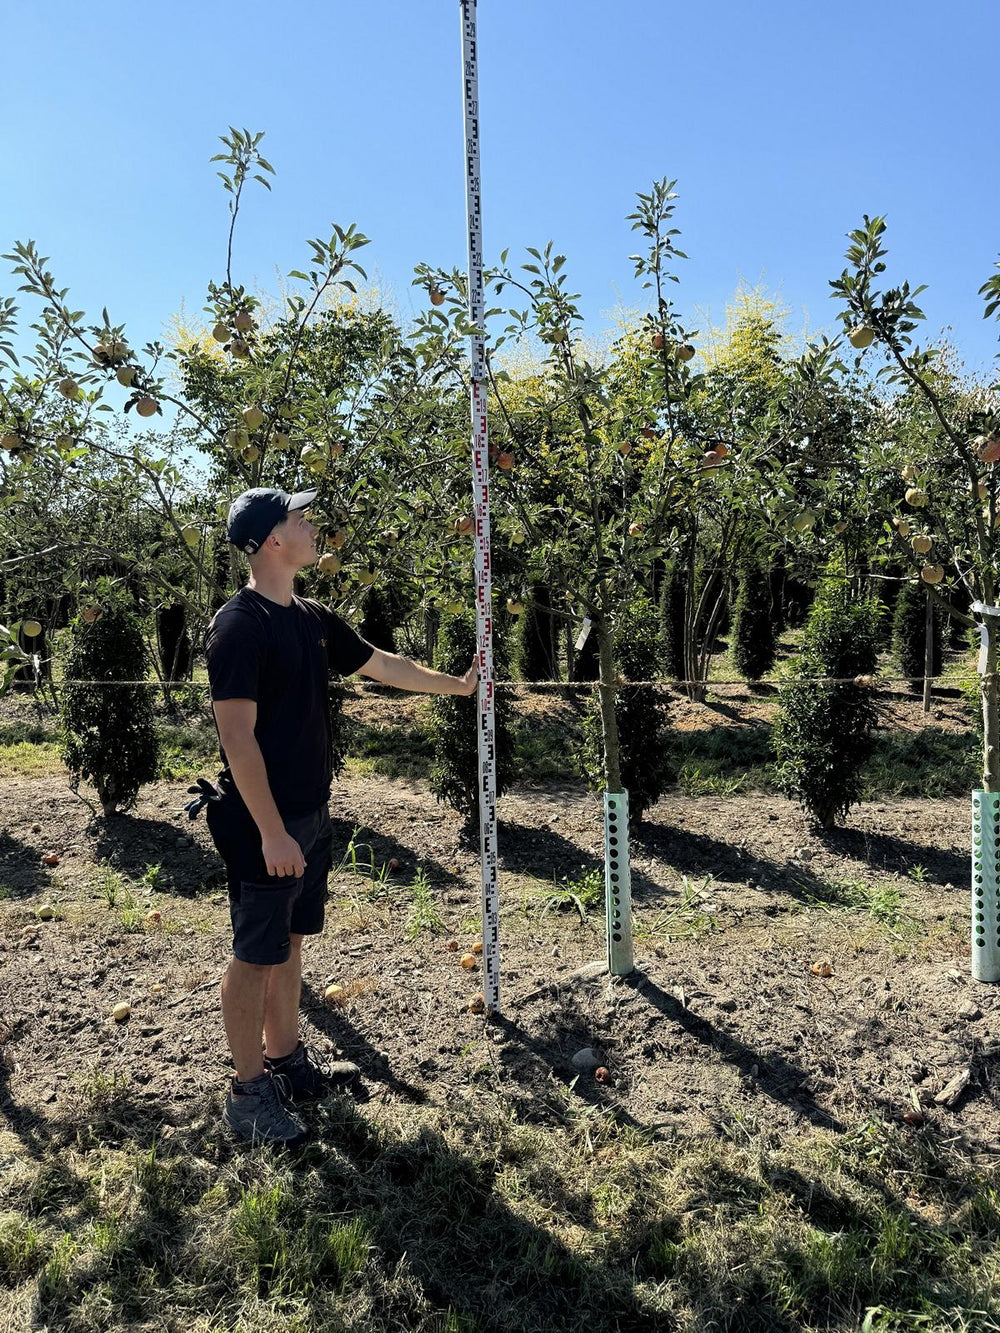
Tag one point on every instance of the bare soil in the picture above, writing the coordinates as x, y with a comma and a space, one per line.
723, 1019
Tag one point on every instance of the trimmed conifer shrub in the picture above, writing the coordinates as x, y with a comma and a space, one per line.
642, 714
909, 631
753, 641
823, 733
672, 621
108, 733
454, 726
534, 638
376, 625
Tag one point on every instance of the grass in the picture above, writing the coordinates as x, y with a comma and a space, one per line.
689, 918
471, 1220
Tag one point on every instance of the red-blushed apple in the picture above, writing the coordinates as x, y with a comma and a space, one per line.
505, 461
437, 296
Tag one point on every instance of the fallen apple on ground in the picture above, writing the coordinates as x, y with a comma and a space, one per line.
335, 994
822, 969
121, 1011
468, 961
46, 912
452, 946
51, 859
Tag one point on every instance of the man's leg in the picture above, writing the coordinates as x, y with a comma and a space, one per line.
244, 990
281, 1004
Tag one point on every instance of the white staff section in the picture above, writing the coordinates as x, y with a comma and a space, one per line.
481, 500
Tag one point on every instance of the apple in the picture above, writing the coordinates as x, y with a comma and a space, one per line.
237, 439
437, 296
338, 539
11, 441
329, 563
558, 334
915, 497
366, 576
69, 388
477, 1005
721, 449
280, 440
314, 459
253, 417
505, 461
982, 490
240, 347
932, 573
477, 947
710, 462
64, 443
921, 544
515, 608
336, 449
125, 375
602, 1074
988, 448
250, 454
635, 529
191, 534
648, 433
840, 527
822, 969
243, 321
91, 613
684, 352
901, 526
468, 961
221, 333
121, 1011
909, 472
465, 525
46, 912
154, 917
658, 341
146, 406
110, 353
517, 537
861, 336
452, 946
51, 859
31, 629
625, 448
805, 521
335, 994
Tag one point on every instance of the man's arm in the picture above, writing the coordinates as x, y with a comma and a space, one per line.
236, 720
404, 674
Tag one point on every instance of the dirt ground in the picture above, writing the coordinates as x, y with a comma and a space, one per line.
723, 1021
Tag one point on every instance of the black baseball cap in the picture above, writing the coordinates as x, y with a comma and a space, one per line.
255, 513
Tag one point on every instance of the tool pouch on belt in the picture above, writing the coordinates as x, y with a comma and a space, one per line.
203, 792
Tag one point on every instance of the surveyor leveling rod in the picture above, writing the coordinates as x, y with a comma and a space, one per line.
481, 500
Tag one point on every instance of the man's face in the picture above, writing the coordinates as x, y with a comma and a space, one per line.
298, 539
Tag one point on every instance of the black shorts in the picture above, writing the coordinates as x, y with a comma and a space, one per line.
267, 909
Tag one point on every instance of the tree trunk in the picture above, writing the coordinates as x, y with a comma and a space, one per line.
991, 710
609, 722
928, 651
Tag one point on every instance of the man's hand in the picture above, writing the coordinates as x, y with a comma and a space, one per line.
283, 856
471, 678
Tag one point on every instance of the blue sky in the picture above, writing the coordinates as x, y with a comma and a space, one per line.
783, 122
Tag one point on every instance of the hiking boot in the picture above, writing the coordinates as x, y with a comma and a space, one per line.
258, 1114
300, 1079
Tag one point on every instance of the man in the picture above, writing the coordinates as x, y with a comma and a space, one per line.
270, 654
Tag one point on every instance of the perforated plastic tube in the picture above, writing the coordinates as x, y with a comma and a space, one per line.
618, 883
985, 889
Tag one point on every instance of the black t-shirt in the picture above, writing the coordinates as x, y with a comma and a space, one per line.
282, 657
